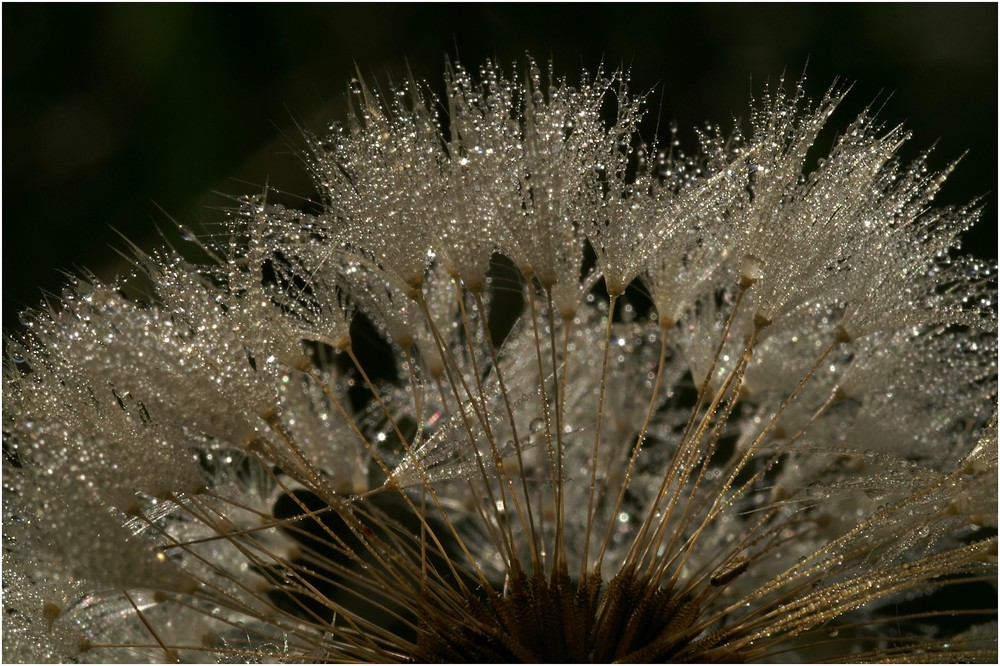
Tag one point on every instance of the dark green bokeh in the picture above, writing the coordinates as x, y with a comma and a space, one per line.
112, 113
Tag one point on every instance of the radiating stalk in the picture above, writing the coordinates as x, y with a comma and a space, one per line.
638, 446
597, 438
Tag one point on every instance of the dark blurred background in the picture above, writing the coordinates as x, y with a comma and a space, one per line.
119, 117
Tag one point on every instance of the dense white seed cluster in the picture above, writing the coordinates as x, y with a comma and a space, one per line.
758, 378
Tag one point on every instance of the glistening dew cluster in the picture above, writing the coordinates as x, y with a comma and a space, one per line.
523, 387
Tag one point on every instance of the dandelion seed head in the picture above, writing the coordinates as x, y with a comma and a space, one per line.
432, 420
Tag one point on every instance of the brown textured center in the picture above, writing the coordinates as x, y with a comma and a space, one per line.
558, 619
